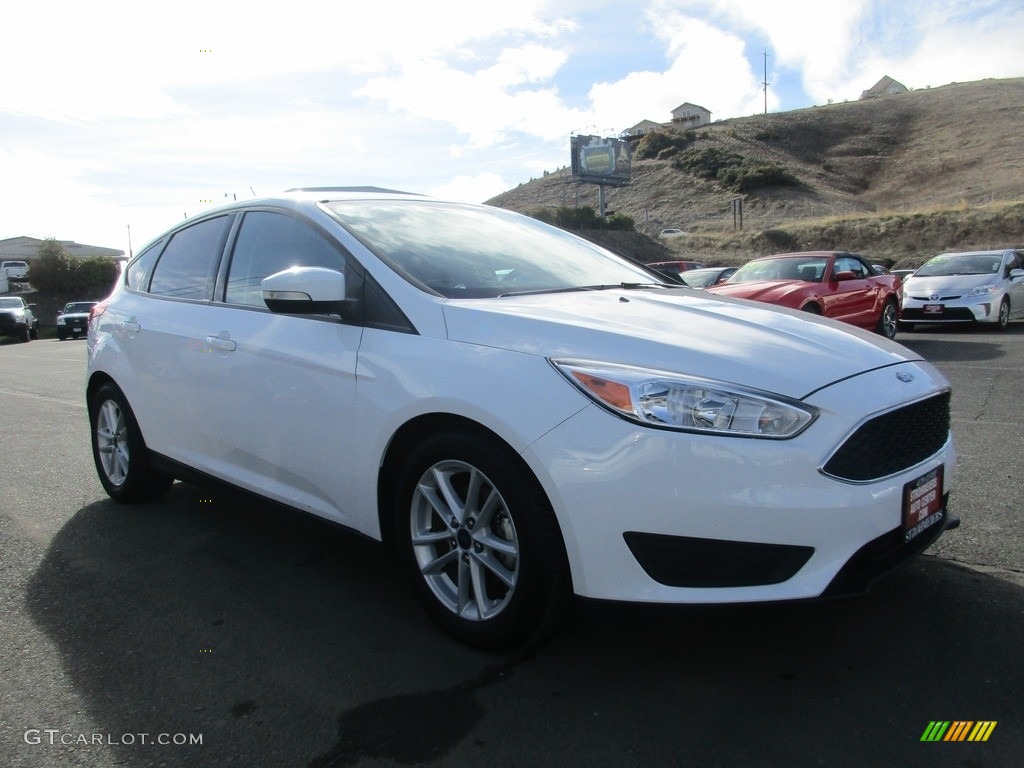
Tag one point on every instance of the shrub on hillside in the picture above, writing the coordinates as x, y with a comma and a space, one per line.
584, 217
732, 170
663, 145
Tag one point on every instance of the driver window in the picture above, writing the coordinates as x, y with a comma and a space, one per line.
270, 242
847, 264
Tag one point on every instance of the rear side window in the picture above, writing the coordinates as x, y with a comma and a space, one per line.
189, 260
141, 268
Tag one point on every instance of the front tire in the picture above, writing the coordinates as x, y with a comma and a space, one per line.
119, 452
480, 542
1004, 315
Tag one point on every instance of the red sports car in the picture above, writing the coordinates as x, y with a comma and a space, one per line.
834, 284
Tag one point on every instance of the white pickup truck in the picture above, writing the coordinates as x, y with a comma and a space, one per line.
14, 270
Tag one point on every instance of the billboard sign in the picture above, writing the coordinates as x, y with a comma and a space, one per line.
599, 160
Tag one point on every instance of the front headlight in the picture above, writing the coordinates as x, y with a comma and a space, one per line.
984, 290
687, 403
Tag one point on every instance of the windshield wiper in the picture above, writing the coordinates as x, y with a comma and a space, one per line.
609, 287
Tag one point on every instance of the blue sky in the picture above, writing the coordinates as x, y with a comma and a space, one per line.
114, 115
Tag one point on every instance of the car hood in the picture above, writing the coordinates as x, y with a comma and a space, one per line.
783, 351
945, 285
772, 291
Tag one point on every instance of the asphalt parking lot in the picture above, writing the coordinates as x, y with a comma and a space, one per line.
210, 629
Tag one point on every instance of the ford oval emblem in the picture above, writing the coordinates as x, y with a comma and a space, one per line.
905, 377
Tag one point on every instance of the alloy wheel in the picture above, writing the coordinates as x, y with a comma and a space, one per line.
464, 540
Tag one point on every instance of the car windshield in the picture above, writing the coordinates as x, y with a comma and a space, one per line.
961, 264
79, 306
810, 270
11, 304
701, 278
471, 252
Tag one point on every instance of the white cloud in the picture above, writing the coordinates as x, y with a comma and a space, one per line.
471, 189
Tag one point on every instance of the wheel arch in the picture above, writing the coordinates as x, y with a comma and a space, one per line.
407, 436
97, 380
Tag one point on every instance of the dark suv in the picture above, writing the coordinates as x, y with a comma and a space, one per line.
18, 318
73, 320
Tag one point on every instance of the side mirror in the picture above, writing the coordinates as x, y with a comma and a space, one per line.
305, 291
841, 277
1016, 274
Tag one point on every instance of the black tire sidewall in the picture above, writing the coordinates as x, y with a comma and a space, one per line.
141, 482
881, 319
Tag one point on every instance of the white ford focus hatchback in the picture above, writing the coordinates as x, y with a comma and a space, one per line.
523, 415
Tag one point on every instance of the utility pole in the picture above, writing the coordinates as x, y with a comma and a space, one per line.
765, 82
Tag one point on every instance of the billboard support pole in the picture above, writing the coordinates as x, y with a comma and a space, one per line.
600, 199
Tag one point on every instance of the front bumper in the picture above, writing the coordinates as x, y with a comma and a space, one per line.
963, 309
660, 516
73, 326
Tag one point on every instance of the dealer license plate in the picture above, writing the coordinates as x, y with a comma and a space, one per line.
933, 309
922, 504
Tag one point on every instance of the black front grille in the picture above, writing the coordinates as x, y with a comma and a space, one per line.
893, 442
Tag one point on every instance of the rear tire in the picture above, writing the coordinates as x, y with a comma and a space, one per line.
119, 452
811, 309
888, 320
479, 541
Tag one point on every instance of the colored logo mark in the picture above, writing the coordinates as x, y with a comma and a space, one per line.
958, 730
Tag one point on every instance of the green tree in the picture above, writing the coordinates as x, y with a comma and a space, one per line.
50, 271
55, 271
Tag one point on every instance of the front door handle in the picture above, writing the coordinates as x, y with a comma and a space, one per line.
224, 345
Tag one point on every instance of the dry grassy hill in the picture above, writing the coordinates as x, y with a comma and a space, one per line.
898, 179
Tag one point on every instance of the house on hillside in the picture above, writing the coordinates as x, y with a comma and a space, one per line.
884, 87
687, 116
28, 247
642, 128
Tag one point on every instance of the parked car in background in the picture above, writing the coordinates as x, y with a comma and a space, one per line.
671, 232
834, 284
708, 276
903, 274
492, 397
73, 320
15, 270
673, 269
18, 319
971, 287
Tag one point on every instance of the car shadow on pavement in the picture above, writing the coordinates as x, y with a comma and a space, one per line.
961, 343
284, 641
